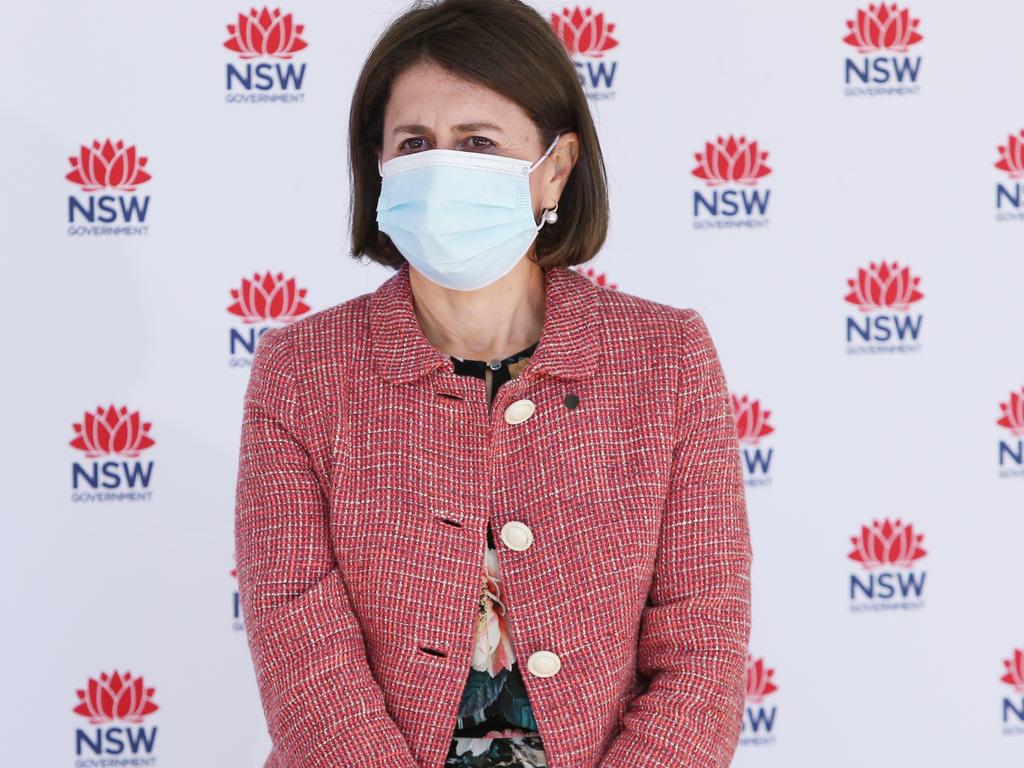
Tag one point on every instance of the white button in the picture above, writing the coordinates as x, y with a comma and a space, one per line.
519, 411
544, 663
516, 535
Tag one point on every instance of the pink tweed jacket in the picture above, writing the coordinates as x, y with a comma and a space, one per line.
368, 470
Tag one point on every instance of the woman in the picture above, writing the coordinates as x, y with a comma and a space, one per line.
490, 514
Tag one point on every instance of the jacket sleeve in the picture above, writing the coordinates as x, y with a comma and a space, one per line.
322, 704
695, 627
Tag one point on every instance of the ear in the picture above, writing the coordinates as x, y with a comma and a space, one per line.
559, 165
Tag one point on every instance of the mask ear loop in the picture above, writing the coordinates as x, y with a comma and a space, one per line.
547, 152
546, 216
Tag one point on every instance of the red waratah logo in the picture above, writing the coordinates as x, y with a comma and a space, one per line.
600, 279
110, 165
265, 33
731, 161
759, 680
887, 543
115, 697
1011, 156
112, 430
1013, 413
751, 420
883, 286
1015, 670
883, 28
584, 33
268, 297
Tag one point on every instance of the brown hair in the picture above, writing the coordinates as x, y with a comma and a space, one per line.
508, 47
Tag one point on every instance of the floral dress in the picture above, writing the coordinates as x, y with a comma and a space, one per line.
495, 726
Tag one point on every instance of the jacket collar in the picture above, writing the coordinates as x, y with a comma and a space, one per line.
568, 344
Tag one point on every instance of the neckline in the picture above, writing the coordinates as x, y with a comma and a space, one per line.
569, 346
505, 360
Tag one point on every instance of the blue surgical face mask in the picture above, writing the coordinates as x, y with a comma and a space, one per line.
463, 219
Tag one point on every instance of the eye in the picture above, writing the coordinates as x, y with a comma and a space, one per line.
405, 144
416, 143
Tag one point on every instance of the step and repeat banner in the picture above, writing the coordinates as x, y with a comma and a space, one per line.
838, 188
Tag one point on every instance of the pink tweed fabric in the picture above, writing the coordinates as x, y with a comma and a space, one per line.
368, 469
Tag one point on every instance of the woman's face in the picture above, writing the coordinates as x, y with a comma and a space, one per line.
430, 108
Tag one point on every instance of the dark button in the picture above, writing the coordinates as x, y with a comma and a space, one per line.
571, 401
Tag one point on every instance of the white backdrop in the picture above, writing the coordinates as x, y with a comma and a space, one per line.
128, 302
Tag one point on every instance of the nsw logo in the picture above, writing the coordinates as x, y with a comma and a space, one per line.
265, 34
752, 427
1011, 447
1013, 705
884, 34
758, 717
887, 552
102, 436
731, 169
587, 38
885, 294
1010, 193
116, 707
257, 303
108, 174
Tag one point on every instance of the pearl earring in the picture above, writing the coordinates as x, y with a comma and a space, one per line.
550, 217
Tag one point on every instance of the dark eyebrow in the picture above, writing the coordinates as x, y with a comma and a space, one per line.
462, 128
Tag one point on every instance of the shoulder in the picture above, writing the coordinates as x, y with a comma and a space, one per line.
323, 335
635, 324
300, 366
298, 369
661, 349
